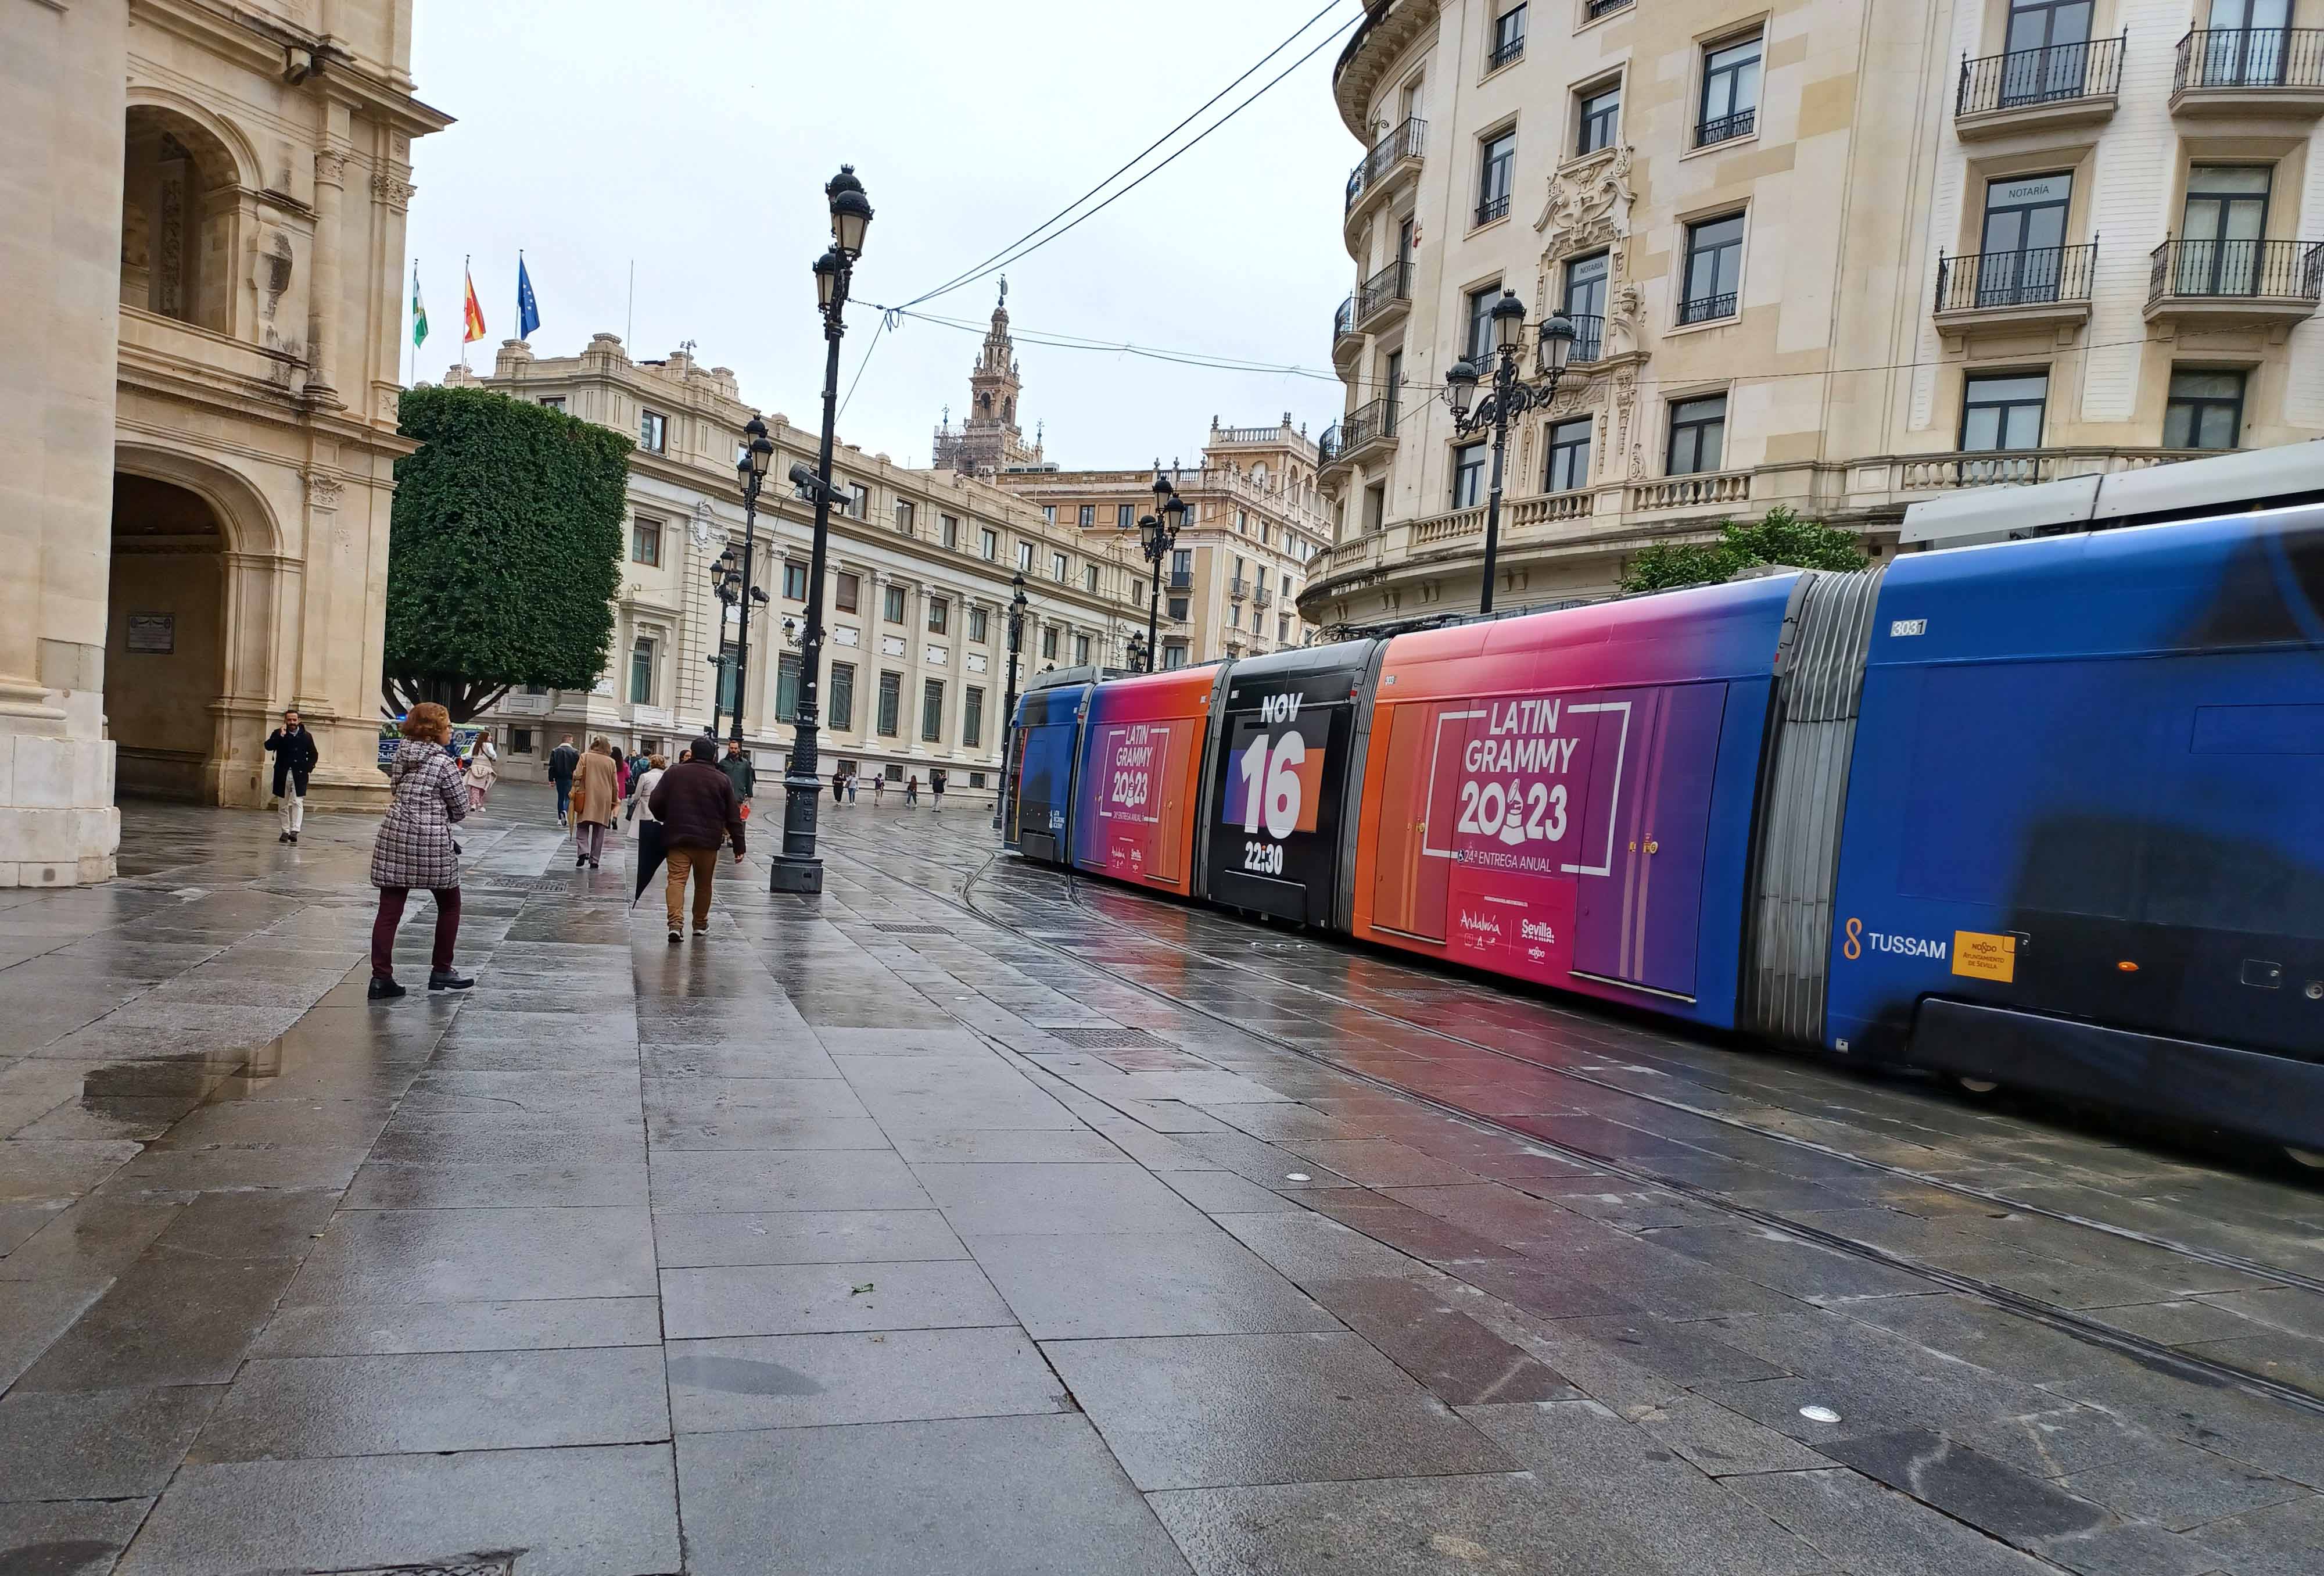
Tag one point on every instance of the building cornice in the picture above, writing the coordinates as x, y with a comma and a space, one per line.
1388, 29
258, 43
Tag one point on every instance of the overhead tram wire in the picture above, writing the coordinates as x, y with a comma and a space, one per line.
1001, 257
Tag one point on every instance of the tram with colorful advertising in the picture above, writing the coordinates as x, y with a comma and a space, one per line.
2047, 813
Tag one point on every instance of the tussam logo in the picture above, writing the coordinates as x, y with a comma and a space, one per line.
1482, 925
1911, 946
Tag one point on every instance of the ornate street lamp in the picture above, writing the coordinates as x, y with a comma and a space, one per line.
1156, 533
1137, 652
1511, 397
751, 470
796, 867
717, 687
1016, 606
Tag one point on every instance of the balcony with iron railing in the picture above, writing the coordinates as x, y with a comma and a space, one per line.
1384, 293
1589, 337
1238, 588
1180, 579
2250, 72
1505, 52
1368, 426
1261, 597
1373, 171
1592, 10
1726, 128
2036, 285
1706, 309
2057, 85
2271, 283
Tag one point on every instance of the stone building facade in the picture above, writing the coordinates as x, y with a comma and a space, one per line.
198, 404
1831, 254
920, 576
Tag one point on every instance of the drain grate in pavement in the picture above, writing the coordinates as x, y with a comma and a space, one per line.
915, 929
1108, 1039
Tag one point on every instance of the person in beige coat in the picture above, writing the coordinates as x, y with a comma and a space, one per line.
597, 800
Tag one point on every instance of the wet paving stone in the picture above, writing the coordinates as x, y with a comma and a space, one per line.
797, 1299
466, 1254
68, 1537
796, 1381
108, 1444
387, 1329
1158, 1282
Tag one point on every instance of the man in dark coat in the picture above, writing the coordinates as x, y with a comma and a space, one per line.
740, 771
563, 762
295, 758
698, 809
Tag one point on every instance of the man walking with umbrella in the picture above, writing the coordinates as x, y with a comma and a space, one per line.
698, 810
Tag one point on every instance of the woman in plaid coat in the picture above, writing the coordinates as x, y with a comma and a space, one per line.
415, 848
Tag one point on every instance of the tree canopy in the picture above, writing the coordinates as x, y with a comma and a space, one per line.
1782, 538
506, 549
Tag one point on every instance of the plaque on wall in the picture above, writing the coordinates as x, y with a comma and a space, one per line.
892, 645
937, 655
976, 661
152, 634
844, 636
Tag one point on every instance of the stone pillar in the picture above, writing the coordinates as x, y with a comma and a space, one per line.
323, 335
62, 71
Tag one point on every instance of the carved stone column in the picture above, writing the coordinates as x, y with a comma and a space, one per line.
322, 334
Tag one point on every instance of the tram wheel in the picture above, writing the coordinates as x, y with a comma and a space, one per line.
2310, 1158
1977, 1085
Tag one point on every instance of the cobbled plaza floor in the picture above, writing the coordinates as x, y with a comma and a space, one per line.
967, 1219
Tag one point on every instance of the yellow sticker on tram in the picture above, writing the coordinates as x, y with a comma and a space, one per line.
1980, 956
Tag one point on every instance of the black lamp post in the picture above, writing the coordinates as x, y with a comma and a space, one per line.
751, 470
1136, 653
717, 683
796, 867
1009, 706
1155, 532
1511, 397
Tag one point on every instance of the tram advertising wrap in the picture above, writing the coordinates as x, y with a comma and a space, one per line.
1041, 765
1141, 768
1279, 780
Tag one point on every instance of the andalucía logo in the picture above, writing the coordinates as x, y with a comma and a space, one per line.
1482, 925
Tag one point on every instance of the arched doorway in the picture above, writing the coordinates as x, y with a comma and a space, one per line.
180, 215
165, 639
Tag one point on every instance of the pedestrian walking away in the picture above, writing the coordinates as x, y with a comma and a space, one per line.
740, 771
415, 849
838, 785
879, 790
697, 809
563, 762
912, 790
596, 798
937, 786
484, 768
295, 758
854, 783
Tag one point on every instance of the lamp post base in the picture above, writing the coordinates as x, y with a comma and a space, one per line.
803, 877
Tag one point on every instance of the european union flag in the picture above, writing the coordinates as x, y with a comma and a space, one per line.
528, 310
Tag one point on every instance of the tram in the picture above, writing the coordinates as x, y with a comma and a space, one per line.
2047, 813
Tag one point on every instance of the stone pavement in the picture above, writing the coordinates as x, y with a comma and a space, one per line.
959, 1222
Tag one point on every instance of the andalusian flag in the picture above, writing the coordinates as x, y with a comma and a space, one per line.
474, 328
419, 310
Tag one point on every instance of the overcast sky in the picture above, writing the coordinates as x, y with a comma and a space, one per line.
695, 136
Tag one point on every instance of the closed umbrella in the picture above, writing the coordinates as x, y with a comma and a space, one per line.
649, 856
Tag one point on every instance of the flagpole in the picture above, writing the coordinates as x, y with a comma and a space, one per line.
411, 343
467, 289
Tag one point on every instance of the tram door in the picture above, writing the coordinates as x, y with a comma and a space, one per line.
1419, 797
1652, 765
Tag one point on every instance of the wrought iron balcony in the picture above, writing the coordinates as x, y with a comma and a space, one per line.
2236, 62
2057, 74
1260, 595
1327, 445
1594, 9
1402, 144
2009, 281
1505, 52
1588, 336
1344, 321
1181, 579
1368, 424
1390, 286
1727, 127
1493, 207
1238, 588
2268, 279
1707, 308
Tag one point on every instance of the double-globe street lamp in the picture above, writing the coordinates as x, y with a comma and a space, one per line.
1016, 606
751, 470
1511, 397
1156, 533
796, 867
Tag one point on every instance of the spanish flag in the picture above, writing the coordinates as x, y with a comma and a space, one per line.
474, 328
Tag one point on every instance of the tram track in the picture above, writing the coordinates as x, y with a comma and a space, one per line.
2149, 1353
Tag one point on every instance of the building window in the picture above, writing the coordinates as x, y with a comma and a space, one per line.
907, 513
653, 431
1731, 92
1508, 37
972, 718
931, 710
1698, 435
520, 741
1496, 166
977, 624
1283, 627
1714, 268
939, 614
1048, 514
1468, 476
1025, 557
891, 702
859, 500
848, 590
795, 581
787, 686
976, 780
1049, 643
1124, 516
730, 666
1059, 569
1601, 117
1375, 507
1569, 457
1089, 578
843, 697
2023, 239
2004, 411
2219, 251
641, 672
1178, 609
1243, 521
553, 402
645, 542
988, 545
1585, 305
1258, 618
1477, 344
1089, 515
892, 605
948, 529
1182, 566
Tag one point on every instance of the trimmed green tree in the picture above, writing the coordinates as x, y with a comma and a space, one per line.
506, 553
1781, 537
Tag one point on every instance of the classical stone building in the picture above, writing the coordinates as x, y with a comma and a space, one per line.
920, 576
197, 402
1832, 255
1256, 517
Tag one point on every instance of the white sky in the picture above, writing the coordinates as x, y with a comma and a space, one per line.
695, 136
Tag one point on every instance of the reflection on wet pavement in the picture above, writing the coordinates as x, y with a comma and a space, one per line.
967, 1219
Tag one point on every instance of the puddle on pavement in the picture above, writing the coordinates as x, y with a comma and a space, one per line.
738, 1376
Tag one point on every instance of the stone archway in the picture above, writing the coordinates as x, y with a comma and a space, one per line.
181, 219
